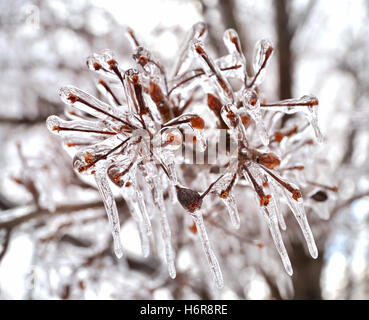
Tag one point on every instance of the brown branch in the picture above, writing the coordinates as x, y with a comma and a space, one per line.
64, 209
348, 202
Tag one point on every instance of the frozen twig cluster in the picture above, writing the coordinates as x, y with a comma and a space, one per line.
133, 139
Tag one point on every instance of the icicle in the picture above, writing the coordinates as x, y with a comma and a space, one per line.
165, 232
128, 196
262, 53
142, 207
269, 211
210, 256
151, 175
307, 104
276, 199
220, 83
298, 210
110, 206
252, 103
136, 194
294, 200
122, 172
231, 205
172, 193
272, 222
224, 190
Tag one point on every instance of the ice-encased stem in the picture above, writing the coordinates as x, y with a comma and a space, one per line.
209, 253
110, 207
252, 104
307, 104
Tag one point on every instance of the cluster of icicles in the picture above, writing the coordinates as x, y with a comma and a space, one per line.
130, 139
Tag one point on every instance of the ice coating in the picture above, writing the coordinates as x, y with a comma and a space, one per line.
91, 105
223, 88
146, 172
169, 138
262, 54
252, 104
198, 32
209, 253
86, 158
306, 104
151, 67
195, 123
100, 61
233, 44
110, 206
129, 90
62, 127
224, 190
231, 117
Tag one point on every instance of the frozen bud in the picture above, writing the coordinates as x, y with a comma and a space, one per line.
251, 99
68, 94
142, 56
230, 116
118, 175
232, 41
103, 60
263, 52
264, 200
53, 124
132, 75
189, 199
171, 139
197, 123
296, 194
85, 162
270, 160
199, 30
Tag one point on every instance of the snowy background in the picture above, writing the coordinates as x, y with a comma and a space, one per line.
44, 45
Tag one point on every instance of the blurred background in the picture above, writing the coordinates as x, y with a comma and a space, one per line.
54, 235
